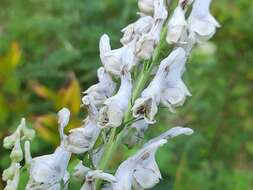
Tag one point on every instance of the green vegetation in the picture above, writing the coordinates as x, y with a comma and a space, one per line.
49, 55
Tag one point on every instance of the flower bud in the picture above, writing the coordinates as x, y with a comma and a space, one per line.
10, 172
17, 153
9, 141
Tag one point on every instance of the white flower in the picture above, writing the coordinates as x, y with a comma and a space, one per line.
201, 22
47, 172
92, 175
102, 90
146, 6
146, 106
141, 169
160, 11
114, 60
136, 29
167, 86
145, 45
83, 138
176, 26
112, 113
175, 91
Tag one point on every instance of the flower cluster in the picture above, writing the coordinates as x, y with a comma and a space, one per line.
122, 106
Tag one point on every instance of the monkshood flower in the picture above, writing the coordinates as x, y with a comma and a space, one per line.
83, 138
49, 171
146, 44
201, 22
135, 30
167, 86
177, 24
102, 90
112, 113
92, 175
175, 91
141, 170
114, 60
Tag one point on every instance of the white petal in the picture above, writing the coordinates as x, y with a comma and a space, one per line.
176, 26
112, 113
146, 6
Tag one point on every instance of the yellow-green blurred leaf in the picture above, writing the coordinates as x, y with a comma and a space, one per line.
70, 96
43, 91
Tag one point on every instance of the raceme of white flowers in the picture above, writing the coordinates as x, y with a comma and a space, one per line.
121, 104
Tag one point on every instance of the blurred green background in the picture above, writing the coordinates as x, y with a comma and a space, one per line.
49, 55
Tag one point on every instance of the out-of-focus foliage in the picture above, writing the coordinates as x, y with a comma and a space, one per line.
49, 54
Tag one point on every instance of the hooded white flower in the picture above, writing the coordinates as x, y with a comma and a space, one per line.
112, 113
146, 106
83, 138
114, 60
201, 22
176, 25
167, 86
146, 44
135, 30
175, 91
92, 175
141, 169
48, 171
102, 90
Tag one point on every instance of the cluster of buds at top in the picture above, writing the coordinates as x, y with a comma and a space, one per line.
130, 105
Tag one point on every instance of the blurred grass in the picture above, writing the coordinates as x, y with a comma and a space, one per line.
49, 47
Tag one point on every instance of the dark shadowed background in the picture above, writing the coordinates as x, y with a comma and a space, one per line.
49, 55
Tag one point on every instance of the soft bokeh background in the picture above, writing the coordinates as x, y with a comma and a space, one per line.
49, 55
